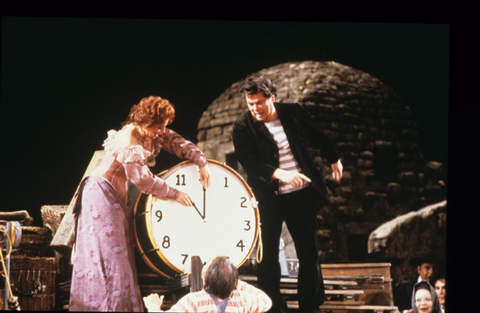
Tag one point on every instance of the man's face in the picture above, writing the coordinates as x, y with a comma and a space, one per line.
425, 271
440, 289
261, 107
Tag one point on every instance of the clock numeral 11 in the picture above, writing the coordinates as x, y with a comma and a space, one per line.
180, 182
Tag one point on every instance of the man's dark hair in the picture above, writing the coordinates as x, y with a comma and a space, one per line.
256, 83
221, 277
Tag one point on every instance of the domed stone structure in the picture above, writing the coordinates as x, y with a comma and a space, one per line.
385, 174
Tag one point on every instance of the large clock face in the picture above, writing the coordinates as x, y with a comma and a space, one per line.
224, 220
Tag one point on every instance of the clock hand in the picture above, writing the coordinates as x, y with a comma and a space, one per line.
198, 211
204, 204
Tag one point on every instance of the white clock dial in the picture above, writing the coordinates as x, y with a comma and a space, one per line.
224, 220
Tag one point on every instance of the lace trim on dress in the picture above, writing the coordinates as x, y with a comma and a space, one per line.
135, 153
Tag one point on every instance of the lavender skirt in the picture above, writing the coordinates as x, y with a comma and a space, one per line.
104, 276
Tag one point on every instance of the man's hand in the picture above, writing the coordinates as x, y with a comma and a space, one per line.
293, 178
153, 302
337, 169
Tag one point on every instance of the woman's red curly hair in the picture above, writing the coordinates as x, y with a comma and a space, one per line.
150, 111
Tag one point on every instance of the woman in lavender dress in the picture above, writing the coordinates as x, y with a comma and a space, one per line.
104, 277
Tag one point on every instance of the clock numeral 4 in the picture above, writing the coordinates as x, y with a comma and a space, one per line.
240, 245
180, 180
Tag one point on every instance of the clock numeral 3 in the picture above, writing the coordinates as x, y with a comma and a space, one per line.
241, 245
159, 214
180, 180
166, 242
242, 204
248, 227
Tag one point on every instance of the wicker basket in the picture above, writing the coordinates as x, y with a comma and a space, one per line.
33, 280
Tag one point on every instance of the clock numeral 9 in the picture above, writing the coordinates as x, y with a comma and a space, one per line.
166, 242
180, 181
242, 204
241, 245
159, 214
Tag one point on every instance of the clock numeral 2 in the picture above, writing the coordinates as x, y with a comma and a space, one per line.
242, 204
241, 245
180, 181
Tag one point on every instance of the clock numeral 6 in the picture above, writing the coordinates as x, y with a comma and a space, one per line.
159, 214
242, 204
241, 245
180, 182
166, 242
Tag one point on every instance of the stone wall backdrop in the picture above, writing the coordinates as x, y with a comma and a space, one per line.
385, 173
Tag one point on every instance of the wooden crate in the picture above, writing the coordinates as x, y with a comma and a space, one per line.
33, 280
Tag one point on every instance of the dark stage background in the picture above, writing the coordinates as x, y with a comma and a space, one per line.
66, 81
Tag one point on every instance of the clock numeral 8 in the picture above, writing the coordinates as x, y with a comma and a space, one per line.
166, 242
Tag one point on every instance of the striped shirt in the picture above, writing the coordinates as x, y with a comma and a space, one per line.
286, 160
245, 298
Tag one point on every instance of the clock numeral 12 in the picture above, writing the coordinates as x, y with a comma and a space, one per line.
183, 180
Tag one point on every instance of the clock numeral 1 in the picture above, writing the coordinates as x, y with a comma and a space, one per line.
166, 242
242, 204
159, 214
182, 183
226, 182
247, 227
185, 256
241, 245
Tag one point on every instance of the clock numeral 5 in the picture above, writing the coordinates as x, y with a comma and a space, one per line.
180, 180
241, 245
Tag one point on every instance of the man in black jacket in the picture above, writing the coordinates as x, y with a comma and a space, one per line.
272, 144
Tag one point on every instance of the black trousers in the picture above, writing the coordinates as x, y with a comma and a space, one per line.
298, 210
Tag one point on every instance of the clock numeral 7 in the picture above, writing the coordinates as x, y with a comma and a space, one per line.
180, 181
241, 245
185, 256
